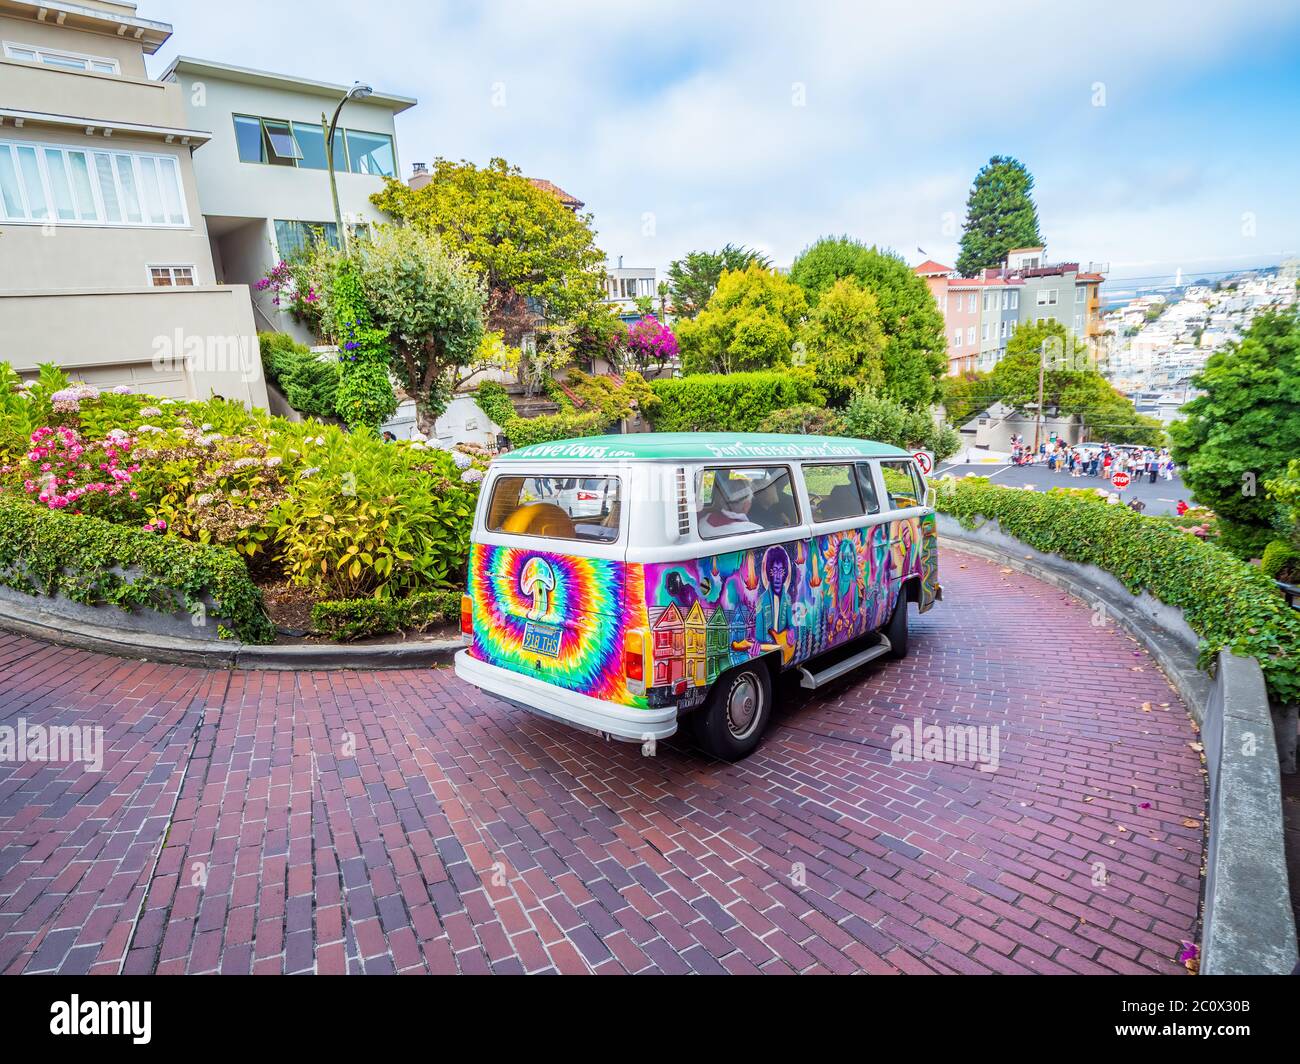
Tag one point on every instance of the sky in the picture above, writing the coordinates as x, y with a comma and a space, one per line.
1161, 135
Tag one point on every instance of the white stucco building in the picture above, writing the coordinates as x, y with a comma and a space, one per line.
262, 178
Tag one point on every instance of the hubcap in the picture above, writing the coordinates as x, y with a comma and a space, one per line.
742, 707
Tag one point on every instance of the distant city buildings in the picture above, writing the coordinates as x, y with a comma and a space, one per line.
982, 313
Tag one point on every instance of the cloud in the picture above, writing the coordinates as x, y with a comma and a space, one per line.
688, 125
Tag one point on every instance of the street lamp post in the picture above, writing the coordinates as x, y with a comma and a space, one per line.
357, 92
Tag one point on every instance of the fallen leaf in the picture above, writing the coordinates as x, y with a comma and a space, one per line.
1090, 799
1005, 571
1197, 747
1191, 823
1122, 827
1146, 707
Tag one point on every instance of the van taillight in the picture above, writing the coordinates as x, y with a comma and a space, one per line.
466, 618
634, 656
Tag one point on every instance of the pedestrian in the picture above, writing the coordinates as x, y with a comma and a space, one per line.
1152, 468
1107, 461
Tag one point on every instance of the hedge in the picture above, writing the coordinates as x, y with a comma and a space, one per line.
98, 563
728, 402
546, 428
1227, 602
310, 384
348, 619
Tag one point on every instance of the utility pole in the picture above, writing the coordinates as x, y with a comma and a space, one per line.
1042, 366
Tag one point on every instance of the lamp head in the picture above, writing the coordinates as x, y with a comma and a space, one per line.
360, 91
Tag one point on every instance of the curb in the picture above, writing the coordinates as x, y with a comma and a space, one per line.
211, 654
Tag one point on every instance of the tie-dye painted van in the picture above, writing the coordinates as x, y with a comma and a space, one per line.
620, 583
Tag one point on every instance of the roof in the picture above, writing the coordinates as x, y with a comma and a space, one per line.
151, 35
929, 266
700, 446
1089, 277
185, 64
572, 202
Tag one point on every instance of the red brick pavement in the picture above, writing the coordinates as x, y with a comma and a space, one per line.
402, 821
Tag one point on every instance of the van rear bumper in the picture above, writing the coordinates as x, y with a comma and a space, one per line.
591, 714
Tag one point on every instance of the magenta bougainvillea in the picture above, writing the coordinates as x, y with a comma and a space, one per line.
651, 343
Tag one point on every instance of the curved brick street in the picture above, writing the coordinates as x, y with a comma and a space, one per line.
463, 835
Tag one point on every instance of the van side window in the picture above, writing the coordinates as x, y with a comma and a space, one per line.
867, 485
833, 492
903, 484
740, 499
557, 507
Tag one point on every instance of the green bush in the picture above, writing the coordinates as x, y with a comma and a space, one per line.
309, 384
1281, 561
870, 416
349, 619
1227, 602
523, 431
98, 563
806, 419
365, 395
728, 402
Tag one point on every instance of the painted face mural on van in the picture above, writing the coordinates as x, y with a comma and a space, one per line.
798, 599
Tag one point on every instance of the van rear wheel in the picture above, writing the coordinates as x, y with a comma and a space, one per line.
732, 722
896, 631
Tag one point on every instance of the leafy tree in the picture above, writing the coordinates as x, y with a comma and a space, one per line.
1000, 215
845, 342
1071, 386
1244, 430
523, 242
405, 304
750, 323
966, 395
915, 354
872, 416
693, 279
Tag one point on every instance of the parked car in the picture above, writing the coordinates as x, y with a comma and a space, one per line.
714, 564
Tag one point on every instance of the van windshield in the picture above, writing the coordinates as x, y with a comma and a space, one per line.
557, 507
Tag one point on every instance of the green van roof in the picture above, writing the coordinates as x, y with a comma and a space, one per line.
700, 446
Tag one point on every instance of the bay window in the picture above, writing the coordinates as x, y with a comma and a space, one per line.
50, 183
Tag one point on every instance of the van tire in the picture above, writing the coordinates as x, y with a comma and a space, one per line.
722, 727
896, 631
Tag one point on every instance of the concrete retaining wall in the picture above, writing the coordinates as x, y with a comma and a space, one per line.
1248, 925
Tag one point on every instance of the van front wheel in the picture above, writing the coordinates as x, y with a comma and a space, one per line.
732, 722
896, 632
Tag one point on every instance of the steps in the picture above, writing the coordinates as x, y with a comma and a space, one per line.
813, 680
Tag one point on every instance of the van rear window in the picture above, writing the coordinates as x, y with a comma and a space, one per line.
557, 507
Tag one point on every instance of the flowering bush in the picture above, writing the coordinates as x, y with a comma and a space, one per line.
292, 289
650, 344
65, 473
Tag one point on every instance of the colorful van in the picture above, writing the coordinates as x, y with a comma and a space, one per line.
625, 583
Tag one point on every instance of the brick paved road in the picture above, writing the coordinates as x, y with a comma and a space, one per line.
462, 835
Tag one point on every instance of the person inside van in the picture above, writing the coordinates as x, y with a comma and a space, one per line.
728, 513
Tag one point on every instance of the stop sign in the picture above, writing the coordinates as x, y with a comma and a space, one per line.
1120, 480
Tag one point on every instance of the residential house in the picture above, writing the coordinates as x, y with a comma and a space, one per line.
262, 176
624, 285
107, 268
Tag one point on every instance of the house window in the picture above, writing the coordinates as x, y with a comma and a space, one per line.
171, 276
277, 142
1004, 328
62, 60
970, 335
1081, 294
1015, 300
50, 183
371, 153
1078, 323
293, 238
956, 338
970, 304
985, 334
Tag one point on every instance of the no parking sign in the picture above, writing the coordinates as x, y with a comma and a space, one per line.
925, 460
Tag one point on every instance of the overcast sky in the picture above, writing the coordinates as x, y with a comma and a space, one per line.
1160, 134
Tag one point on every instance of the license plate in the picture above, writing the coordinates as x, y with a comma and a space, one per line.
542, 639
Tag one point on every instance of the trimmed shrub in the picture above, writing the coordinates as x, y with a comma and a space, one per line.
805, 420
309, 384
1281, 561
871, 416
1227, 602
98, 563
523, 431
349, 619
728, 402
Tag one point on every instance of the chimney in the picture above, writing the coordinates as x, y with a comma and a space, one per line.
419, 168
620, 262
